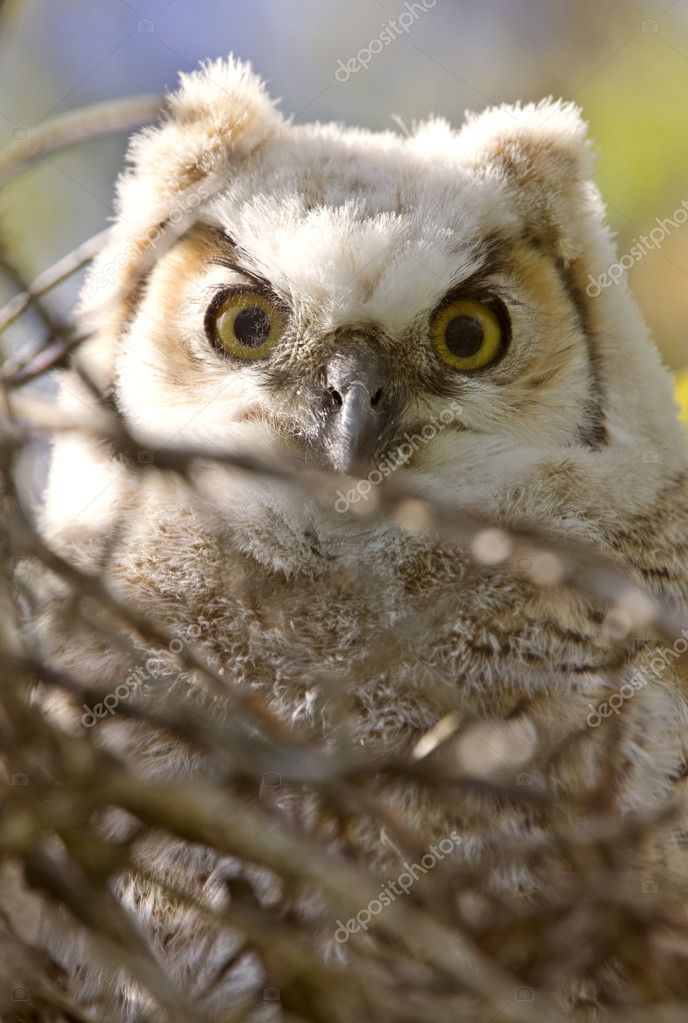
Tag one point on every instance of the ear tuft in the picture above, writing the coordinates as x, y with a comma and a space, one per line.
220, 114
225, 97
542, 151
220, 110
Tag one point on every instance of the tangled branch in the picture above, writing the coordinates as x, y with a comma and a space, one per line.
456, 948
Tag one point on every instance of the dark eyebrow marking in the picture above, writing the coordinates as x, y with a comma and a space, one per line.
231, 262
492, 250
235, 265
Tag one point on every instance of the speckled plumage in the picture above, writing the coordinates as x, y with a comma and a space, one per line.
573, 430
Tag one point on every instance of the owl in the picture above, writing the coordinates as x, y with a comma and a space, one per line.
428, 307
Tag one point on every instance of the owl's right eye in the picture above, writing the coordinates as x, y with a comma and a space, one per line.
245, 324
468, 334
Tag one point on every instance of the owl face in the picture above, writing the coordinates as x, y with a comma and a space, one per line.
341, 292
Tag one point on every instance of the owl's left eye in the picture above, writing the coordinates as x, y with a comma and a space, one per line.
468, 334
245, 324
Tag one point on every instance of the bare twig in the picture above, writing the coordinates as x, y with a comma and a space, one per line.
106, 118
51, 278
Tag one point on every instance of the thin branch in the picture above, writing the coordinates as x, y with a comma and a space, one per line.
107, 118
49, 279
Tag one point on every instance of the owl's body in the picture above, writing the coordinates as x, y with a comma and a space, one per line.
359, 241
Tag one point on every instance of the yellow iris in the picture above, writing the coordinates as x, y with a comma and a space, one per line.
467, 334
248, 325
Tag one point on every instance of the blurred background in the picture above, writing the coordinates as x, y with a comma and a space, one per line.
625, 63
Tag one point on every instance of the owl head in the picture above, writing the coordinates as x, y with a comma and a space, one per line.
336, 295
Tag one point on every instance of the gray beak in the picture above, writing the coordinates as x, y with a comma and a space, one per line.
357, 408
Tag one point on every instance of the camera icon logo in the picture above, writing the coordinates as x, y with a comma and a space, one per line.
145, 457
524, 994
650, 25
146, 26
271, 994
19, 994
649, 886
272, 781
20, 779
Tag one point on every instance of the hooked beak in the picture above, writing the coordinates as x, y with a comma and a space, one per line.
358, 409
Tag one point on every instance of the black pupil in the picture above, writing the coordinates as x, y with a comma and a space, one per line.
464, 336
252, 327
